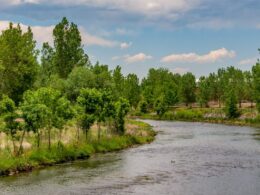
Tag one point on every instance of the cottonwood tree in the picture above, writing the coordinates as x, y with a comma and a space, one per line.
90, 100
68, 49
187, 88
122, 108
18, 61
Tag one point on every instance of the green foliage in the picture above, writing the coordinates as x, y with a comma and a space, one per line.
8, 112
143, 106
204, 91
79, 78
132, 90
231, 105
189, 114
160, 82
122, 108
256, 83
160, 106
18, 62
187, 88
69, 52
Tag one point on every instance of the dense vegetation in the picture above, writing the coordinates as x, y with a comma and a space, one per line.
42, 91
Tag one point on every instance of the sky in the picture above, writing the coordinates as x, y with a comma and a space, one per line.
197, 36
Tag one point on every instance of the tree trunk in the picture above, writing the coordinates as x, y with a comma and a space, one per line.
49, 138
38, 139
14, 147
21, 144
78, 132
99, 131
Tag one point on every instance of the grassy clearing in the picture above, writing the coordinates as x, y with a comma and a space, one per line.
137, 133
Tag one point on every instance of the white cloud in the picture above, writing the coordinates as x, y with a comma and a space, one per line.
146, 7
249, 61
125, 45
140, 57
211, 57
44, 34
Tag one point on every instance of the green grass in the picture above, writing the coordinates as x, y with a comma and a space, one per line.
60, 153
211, 115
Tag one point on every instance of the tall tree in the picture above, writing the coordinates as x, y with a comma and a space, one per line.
256, 83
203, 91
18, 62
187, 88
132, 90
69, 51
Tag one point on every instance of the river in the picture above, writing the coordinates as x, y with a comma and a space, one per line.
186, 158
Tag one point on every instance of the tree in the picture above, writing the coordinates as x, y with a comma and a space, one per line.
69, 52
79, 78
103, 77
142, 106
231, 105
249, 88
187, 88
47, 68
18, 62
160, 106
122, 108
118, 83
256, 83
8, 112
90, 100
45, 108
160, 82
132, 90
203, 91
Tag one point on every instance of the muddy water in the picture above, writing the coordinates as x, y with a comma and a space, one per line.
186, 158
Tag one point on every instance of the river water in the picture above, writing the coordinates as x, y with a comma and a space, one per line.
186, 158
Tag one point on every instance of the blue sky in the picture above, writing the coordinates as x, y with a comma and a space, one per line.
182, 35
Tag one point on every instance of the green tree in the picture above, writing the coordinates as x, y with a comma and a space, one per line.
160, 82
160, 106
231, 105
8, 112
69, 52
122, 108
103, 77
132, 91
187, 88
90, 100
256, 83
79, 78
18, 62
52, 109
118, 83
203, 91
143, 106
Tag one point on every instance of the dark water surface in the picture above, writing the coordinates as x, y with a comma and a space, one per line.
186, 158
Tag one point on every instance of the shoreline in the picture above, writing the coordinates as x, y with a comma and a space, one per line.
230, 122
60, 154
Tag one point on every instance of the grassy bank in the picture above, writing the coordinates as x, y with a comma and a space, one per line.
137, 133
210, 115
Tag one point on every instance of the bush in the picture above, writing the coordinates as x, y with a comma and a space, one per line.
188, 114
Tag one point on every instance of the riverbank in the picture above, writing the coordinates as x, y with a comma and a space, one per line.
208, 115
136, 133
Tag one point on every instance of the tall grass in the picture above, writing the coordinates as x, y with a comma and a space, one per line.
60, 152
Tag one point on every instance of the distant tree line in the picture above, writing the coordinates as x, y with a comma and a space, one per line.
64, 84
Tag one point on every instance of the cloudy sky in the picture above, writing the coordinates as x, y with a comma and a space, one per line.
182, 35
